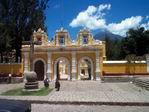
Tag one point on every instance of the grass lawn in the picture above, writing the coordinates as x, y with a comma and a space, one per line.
19, 92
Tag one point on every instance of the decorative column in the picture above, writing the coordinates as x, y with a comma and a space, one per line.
26, 63
49, 66
97, 66
57, 40
147, 62
73, 65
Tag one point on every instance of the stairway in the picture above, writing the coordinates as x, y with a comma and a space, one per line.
117, 78
142, 82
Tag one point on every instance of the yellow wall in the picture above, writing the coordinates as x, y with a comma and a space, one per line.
107, 67
125, 68
14, 68
40, 55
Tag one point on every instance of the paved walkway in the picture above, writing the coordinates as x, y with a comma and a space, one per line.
83, 92
87, 108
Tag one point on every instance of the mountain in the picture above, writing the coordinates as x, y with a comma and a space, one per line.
102, 34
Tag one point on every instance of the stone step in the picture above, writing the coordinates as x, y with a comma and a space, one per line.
143, 85
146, 82
116, 79
142, 82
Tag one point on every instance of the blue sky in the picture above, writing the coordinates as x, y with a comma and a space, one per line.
117, 16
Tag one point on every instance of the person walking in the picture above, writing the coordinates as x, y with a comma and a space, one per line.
57, 85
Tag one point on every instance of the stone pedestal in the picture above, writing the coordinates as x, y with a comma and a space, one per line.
32, 83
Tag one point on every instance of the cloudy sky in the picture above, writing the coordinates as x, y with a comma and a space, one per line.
116, 16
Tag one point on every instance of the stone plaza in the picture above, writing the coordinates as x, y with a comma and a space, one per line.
79, 96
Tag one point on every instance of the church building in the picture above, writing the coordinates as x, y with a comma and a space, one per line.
64, 58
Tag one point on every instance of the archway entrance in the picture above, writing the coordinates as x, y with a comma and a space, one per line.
85, 69
62, 69
39, 69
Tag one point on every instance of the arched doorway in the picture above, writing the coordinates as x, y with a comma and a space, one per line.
39, 69
85, 69
62, 69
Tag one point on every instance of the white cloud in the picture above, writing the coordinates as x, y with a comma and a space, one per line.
145, 25
91, 18
122, 27
147, 17
104, 6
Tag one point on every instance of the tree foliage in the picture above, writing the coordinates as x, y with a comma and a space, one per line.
18, 19
112, 48
136, 42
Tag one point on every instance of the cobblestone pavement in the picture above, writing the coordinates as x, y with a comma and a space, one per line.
96, 91
87, 91
87, 108
6, 87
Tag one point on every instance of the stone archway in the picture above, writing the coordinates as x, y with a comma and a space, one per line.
62, 69
39, 68
85, 69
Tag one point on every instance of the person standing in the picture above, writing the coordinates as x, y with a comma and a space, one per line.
57, 85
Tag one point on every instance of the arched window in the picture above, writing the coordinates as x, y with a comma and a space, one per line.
85, 40
62, 40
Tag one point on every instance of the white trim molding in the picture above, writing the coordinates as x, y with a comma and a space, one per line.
26, 64
97, 66
74, 65
49, 72
26, 61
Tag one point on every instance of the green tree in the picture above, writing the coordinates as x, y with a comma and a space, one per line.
19, 18
136, 42
112, 48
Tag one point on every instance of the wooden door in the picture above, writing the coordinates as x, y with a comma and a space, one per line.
39, 69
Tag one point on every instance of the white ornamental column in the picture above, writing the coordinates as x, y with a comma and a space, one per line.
147, 62
49, 66
97, 66
57, 41
73, 65
26, 63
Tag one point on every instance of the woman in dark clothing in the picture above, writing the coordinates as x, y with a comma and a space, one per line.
57, 85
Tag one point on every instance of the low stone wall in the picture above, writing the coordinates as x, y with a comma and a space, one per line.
11, 80
16, 79
120, 68
16, 71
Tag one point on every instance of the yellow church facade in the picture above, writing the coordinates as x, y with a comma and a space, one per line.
64, 58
